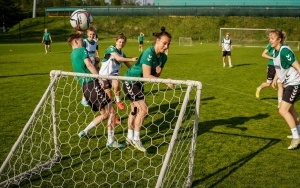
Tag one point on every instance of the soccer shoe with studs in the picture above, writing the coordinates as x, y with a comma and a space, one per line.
115, 144
129, 141
257, 93
84, 103
289, 136
138, 145
294, 144
82, 134
120, 105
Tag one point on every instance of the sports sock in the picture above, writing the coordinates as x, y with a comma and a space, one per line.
118, 98
136, 135
110, 136
295, 133
259, 88
298, 128
89, 127
279, 99
130, 134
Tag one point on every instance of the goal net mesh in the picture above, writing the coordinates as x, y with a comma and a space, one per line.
185, 41
49, 153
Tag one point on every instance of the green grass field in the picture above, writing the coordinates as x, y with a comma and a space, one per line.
241, 140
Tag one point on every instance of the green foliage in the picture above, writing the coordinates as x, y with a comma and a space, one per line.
203, 28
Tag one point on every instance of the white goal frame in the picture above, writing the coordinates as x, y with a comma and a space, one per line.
14, 170
185, 41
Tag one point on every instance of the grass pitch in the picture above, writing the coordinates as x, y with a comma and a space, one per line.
241, 140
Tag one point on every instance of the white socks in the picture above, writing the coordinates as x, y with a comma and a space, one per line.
89, 127
133, 135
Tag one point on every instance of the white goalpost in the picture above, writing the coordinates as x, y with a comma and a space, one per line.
49, 153
185, 41
251, 37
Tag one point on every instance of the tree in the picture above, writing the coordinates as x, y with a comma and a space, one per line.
10, 13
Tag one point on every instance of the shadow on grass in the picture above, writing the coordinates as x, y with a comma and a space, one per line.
226, 171
233, 122
33, 74
240, 65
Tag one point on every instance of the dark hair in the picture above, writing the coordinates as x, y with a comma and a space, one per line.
162, 33
280, 34
121, 36
72, 37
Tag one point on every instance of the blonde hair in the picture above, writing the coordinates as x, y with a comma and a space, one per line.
279, 33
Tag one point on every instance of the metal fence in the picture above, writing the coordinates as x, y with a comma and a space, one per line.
234, 10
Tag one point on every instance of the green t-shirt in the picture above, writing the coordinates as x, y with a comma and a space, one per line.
78, 56
148, 57
141, 38
109, 51
271, 52
46, 36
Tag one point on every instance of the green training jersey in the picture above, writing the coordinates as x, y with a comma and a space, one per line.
46, 36
78, 56
271, 51
141, 38
148, 57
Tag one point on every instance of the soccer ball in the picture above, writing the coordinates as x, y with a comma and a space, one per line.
80, 19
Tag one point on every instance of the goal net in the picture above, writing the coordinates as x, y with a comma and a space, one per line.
185, 41
49, 153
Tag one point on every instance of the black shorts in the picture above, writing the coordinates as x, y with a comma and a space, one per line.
47, 42
290, 94
107, 84
226, 53
134, 92
141, 42
271, 72
95, 95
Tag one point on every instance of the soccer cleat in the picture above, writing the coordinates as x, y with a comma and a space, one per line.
138, 145
82, 134
120, 105
289, 136
257, 93
117, 121
230, 66
129, 141
84, 103
115, 144
294, 144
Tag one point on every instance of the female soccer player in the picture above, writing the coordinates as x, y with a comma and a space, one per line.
288, 73
149, 65
110, 65
268, 54
47, 40
226, 49
92, 90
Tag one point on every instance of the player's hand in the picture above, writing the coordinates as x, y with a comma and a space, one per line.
135, 59
274, 83
171, 86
